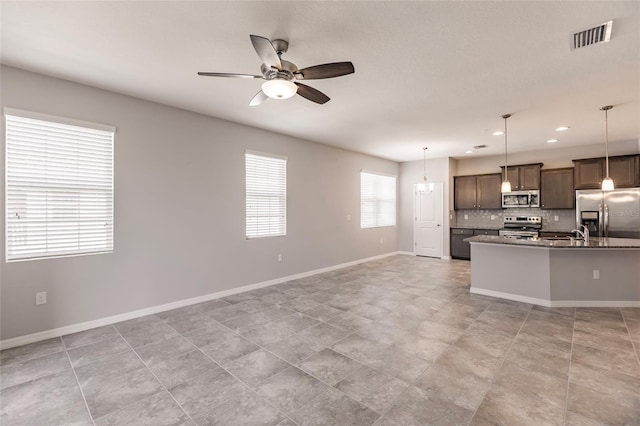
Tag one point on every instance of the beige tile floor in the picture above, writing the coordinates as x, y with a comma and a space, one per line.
399, 341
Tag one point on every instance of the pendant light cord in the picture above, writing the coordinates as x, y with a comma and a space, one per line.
424, 163
606, 134
505, 144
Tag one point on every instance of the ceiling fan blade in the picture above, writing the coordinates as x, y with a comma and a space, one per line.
258, 99
226, 74
335, 69
266, 51
314, 95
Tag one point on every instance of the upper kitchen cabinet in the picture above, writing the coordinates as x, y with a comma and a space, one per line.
477, 192
556, 189
524, 177
464, 192
488, 191
624, 170
587, 174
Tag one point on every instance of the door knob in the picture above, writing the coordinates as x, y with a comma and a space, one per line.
438, 224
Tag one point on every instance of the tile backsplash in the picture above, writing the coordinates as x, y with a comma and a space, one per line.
493, 218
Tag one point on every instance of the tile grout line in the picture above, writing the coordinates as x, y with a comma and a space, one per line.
246, 385
636, 349
435, 360
73, 369
501, 364
566, 399
156, 377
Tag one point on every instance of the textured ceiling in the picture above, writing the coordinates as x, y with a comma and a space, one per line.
436, 74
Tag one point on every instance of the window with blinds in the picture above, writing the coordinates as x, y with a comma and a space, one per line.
59, 187
266, 195
377, 200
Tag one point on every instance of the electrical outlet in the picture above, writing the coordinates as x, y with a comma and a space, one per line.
466, 216
349, 217
279, 257
493, 217
596, 274
556, 218
41, 298
381, 241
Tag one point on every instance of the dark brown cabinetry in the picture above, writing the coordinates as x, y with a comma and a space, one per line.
477, 192
486, 232
624, 170
525, 177
461, 249
464, 192
556, 189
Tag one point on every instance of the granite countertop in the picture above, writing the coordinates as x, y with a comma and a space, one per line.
594, 242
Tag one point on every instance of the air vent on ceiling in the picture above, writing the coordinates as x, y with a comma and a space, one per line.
598, 34
479, 146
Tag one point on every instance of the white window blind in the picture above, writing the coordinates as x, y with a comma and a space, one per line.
59, 189
266, 195
377, 200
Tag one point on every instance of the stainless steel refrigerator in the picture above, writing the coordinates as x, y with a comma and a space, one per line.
609, 214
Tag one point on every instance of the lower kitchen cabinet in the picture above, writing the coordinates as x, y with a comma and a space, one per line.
461, 249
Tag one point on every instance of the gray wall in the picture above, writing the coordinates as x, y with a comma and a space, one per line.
412, 172
179, 210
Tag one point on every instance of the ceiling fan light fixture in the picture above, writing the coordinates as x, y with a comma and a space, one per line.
279, 89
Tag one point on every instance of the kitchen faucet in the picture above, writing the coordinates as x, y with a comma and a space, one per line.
584, 234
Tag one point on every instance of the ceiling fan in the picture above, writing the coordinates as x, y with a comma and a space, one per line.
281, 75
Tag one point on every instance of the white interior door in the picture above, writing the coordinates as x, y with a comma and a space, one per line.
428, 231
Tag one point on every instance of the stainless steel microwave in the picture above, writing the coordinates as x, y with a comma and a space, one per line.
521, 199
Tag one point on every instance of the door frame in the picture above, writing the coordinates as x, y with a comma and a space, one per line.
416, 186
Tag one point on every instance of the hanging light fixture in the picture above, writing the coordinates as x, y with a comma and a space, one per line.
607, 182
424, 171
279, 88
506, 185
423, 186
424, 164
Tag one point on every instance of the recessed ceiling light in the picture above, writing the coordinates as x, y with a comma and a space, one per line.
469, 151
498, 133
562, 128
552, 140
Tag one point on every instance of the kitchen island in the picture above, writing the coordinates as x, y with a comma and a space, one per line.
557, 272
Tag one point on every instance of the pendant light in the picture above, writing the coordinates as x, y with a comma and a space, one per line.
506, 185
423, 186
607, 182
424, 164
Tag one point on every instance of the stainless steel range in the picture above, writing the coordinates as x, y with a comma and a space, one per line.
522, 227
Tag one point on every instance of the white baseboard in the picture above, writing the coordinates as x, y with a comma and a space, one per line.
509, 296
559, 303
75, 328
445, 257
407, 253
595, 304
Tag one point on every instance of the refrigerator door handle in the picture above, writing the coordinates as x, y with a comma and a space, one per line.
600, 221
606, 221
